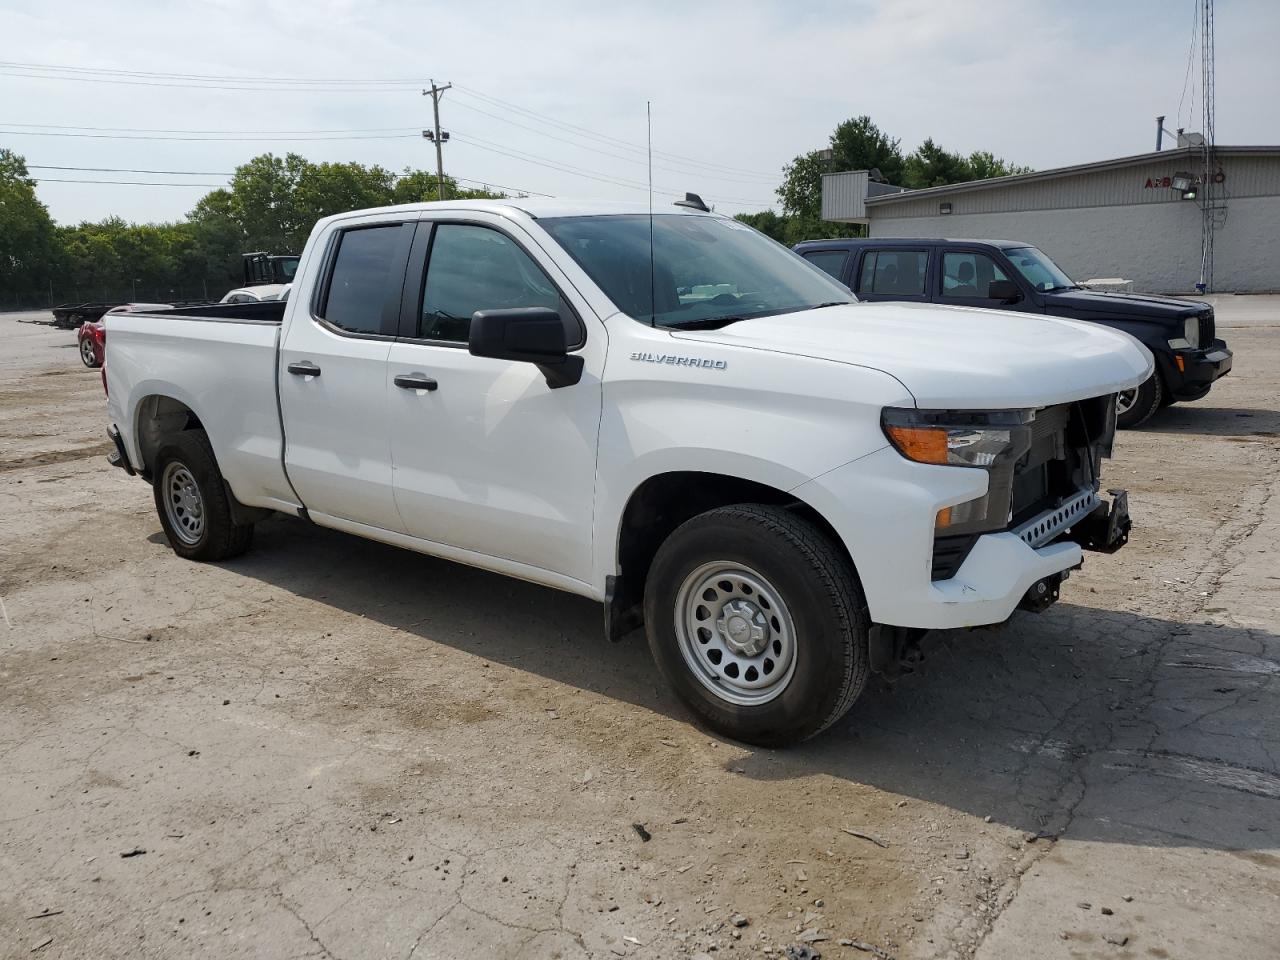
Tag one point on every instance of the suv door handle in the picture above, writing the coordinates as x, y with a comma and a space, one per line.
304, 369
415, 382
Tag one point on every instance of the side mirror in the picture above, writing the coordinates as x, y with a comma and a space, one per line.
1006, 291
529, 335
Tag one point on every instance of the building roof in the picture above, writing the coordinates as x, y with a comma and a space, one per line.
1187, 154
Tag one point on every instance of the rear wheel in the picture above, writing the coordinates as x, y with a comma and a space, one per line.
88, 356
758, 622
1135, 407
193, 503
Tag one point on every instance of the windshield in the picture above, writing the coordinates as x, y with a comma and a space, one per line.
1038, 270
706, 271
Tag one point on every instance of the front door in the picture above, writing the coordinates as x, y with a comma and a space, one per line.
333, 377
487, 457
966, 277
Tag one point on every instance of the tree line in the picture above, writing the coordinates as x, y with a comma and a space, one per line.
858, 144
272, 202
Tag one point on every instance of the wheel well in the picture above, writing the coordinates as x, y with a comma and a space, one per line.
159, 418
660, 505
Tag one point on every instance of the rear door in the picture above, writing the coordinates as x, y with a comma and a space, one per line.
333, 375
893, 273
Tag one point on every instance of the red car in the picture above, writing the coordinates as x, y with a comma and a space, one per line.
92, 334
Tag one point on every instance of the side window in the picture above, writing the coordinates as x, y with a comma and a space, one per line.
475, 268
361, 278
894, 272
966, 276
829, 261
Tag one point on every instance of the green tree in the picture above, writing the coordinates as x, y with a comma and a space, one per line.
858, 144
28, 240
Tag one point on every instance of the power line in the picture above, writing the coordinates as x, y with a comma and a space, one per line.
580, 172
586, 132
197, 76
756, 180
178, 173
213, 173
131, 183
64, 126
283, 138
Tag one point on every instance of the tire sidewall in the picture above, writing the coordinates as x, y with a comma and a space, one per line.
187, 450
823, 648
1145, 404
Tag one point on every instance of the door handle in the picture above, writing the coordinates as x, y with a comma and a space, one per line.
304, 369
415, 382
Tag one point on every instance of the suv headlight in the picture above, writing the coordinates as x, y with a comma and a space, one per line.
991, 440
1190, 339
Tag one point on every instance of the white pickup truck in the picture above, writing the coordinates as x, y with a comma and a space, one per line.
670, 414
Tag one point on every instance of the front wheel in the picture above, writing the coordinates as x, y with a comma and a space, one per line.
1135, 407
88, 356
193, 502
758, 622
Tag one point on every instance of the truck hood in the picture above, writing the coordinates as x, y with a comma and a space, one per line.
1123, 306
954, 357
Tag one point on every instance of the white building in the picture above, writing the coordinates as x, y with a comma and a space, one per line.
1141, 218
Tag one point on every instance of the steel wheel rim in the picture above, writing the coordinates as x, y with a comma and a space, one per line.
735, 632
1125, 400
86, 352
183, 503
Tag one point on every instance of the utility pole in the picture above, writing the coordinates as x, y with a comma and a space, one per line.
437, 136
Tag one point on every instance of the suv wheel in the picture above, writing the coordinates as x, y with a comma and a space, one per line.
193, 502
1135, 407
758, 623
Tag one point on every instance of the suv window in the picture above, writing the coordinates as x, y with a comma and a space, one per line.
475, 268
899, 272
829, 261
361, 277
966, 276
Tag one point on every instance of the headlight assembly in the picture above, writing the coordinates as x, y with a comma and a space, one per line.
1190, 339
986, 440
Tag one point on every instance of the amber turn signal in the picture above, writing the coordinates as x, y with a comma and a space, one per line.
922, 444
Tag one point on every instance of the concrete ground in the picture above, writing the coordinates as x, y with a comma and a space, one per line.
334, 748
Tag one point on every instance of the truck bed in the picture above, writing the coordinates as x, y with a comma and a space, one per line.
225, 351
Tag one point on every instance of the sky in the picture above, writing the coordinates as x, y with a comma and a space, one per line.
550, 97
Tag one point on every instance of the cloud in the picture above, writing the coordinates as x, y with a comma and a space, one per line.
743, 85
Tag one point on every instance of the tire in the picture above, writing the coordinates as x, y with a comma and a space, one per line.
193, 503
88, 354
1135, 407
785, 577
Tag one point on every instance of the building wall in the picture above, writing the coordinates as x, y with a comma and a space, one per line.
1157, 246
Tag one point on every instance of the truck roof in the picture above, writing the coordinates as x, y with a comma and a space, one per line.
852, 243
535, 207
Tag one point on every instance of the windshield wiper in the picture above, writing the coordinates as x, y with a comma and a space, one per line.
708, 323
831, 303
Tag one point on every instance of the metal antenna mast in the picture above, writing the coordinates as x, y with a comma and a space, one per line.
1209, 190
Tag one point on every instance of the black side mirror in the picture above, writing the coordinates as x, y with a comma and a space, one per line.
1006, 291
529, 335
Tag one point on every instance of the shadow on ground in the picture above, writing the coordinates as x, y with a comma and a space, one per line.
1112, 726
1195, 418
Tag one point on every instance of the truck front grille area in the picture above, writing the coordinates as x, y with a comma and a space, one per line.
1207, 332
1068, 443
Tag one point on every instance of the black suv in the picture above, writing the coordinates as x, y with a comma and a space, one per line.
1006, 275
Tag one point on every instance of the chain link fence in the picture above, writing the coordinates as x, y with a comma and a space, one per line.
58, 295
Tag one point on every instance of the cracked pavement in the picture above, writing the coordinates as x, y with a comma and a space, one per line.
332, 748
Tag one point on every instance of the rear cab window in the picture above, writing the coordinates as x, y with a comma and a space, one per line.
830, 262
